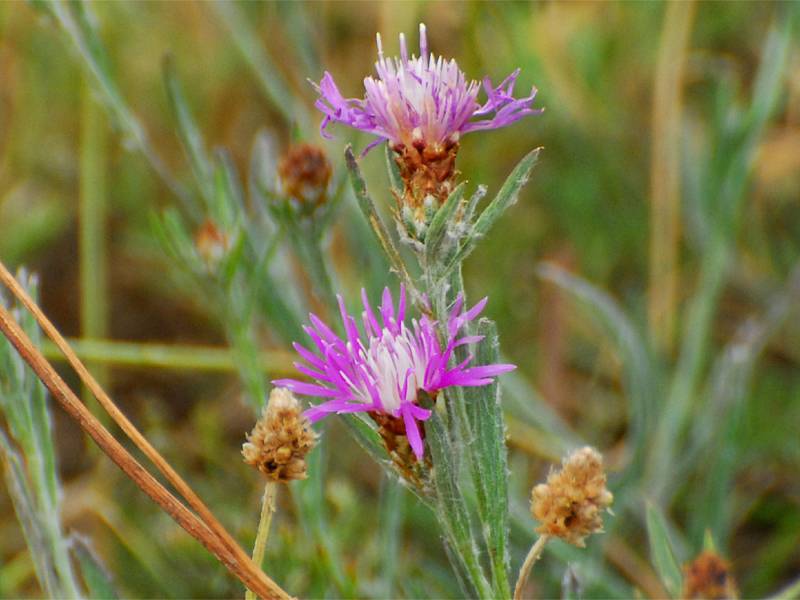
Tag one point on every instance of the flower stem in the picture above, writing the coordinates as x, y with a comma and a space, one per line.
267, 509
533, 556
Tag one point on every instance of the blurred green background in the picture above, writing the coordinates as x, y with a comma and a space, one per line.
664, 132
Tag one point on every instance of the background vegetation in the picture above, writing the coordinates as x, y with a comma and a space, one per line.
669, 179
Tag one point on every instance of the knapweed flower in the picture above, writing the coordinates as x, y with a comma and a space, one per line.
423, 100
281, 439
385, 370
571, 504
422, 106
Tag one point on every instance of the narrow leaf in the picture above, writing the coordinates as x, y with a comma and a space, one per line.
190, 135
441, 220
32, 528
505, 198
274, 85
367, 207
393, 171
488, 459
451, 507
95, 575
661, 552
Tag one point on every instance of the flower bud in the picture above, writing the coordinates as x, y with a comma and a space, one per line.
304, 175
212, 244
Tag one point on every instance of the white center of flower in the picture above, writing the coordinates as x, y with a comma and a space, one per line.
389, 360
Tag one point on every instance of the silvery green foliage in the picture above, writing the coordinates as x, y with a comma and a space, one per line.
466, 432
29, 463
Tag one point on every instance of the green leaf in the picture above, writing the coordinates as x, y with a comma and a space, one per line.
661, 552
369, 211
95, 575
393, 170
190, 135
488, 459
451, 507
440, 223
228, 201
273, 84
27, 514
81, 28
505, 198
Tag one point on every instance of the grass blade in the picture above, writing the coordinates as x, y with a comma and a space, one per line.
661, 552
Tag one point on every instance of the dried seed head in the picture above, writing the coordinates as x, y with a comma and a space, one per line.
709, 577
304, 174
212, 244
571, 504
281, 439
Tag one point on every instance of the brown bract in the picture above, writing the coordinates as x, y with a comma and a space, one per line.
708, 576
426, 170
393, 433
281, 439
304, 173
571, 504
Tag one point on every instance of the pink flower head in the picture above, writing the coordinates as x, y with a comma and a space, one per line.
422, 99
384, 369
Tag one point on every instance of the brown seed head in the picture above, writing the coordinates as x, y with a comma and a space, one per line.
571, 504
304, 173
708, 577
281, 439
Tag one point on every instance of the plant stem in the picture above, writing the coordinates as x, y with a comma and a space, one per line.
533, 556
267, 510
166, 356
92, 221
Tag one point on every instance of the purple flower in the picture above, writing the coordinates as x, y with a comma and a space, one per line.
422, 99
383, 370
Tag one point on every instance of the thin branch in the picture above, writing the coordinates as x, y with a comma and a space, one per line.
206, 528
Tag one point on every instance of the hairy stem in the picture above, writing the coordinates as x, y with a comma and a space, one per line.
533, 556
267, 510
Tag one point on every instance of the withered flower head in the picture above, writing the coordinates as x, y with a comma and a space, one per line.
281, 439
304, 174
708, 577
571, 504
